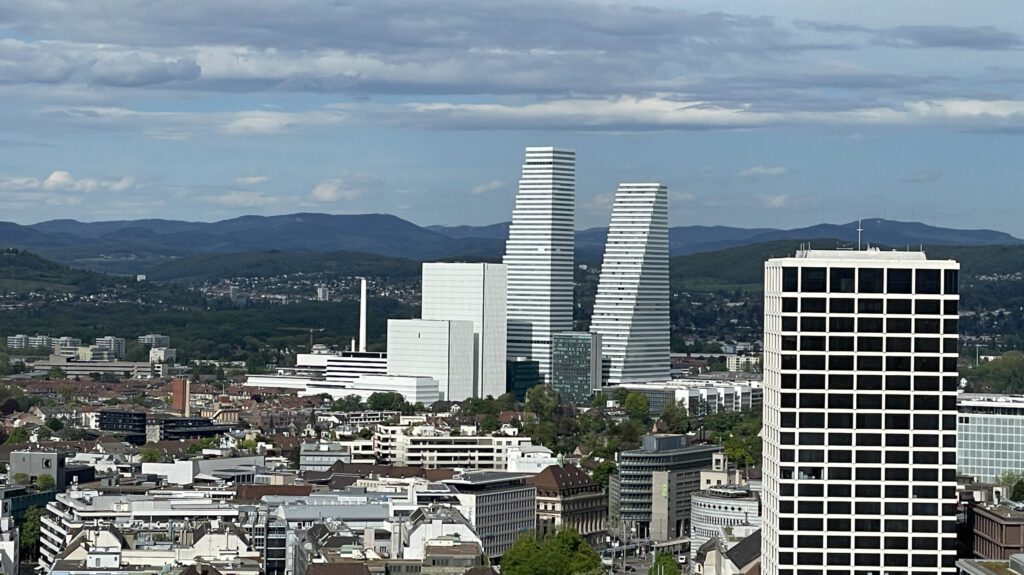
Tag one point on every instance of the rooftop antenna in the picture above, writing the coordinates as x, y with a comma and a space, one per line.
860, 230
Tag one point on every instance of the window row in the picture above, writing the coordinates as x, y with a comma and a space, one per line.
836, 490
868, 343
869, 382
869, 363
815, 323
834, 400
869, 280
839, 439
815, 541
868, 456
869, 306
839, 420
809, 507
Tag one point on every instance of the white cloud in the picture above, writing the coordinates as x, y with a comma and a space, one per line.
776, 200
250, 180
487, 187
763, 172
335, 190
62, 181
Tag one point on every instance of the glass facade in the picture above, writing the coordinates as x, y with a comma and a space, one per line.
990, 435
574, 366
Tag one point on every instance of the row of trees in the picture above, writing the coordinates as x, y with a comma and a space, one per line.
564, 553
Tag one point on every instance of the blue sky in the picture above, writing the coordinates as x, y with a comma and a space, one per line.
755, 113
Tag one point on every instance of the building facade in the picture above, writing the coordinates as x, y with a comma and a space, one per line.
721, 506
568, 497
631, 311
860, 413
539, 255
655, 482
575, 365
501, 506
989, 435
473, 292
439, 349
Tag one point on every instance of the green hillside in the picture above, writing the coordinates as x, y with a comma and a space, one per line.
22, 271
205, 267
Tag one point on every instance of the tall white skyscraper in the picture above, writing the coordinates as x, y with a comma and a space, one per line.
473, 292
631, 311
860, 377
539, 255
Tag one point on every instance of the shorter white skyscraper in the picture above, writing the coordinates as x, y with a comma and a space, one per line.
472, 292
631, 311
439, 349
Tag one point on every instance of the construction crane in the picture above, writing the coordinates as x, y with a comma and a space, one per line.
311, 330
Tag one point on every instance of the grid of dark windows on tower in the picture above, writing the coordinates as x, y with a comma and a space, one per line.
861, 417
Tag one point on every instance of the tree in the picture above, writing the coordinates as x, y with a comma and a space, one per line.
151, 455
603, 471
56, 373
388, 401
44, 433
3, 467
45, 482
665, 564
19, 435
637, 406
20, 478
54, 424
348, 403
563, 553
542, 400
30, 532
490, 424
1017, 494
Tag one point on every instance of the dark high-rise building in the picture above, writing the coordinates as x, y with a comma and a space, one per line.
520, 375
575, 365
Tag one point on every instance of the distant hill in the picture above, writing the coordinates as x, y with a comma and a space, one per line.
265, 264
21, 271
141, 246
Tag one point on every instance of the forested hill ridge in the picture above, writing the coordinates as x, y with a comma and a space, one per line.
139, 246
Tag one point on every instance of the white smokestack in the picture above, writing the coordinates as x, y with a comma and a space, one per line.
362, 314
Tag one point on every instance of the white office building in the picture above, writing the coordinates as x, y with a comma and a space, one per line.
860, 378
155, 340
440, 349
631, 311
539, 255
989, 435
115, 345
473, 292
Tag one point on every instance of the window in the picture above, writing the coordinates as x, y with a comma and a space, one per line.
813, 305
924, 325
840, 343
839, 324
812, 381
840, 381
841, 305
950, 326
869, 382
900, 281
928, 307
897, 383
928, 281
870, 306
840, 362
871, 280
812, 343
813, 280
926, 364
869, 325
899, 306
869, 343
949, 307
897, 325
789, 323
812, 362
926, 345
869, 401
814, 323
812, 400
840, 420
789, 305
840, 401
869, 363
842, 280
897, 363
951, 282
897, 344
789, 342
894, 401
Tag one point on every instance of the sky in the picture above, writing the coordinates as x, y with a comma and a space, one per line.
763, 113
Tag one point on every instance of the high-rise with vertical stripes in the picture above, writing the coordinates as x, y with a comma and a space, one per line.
539, 255
631, 311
